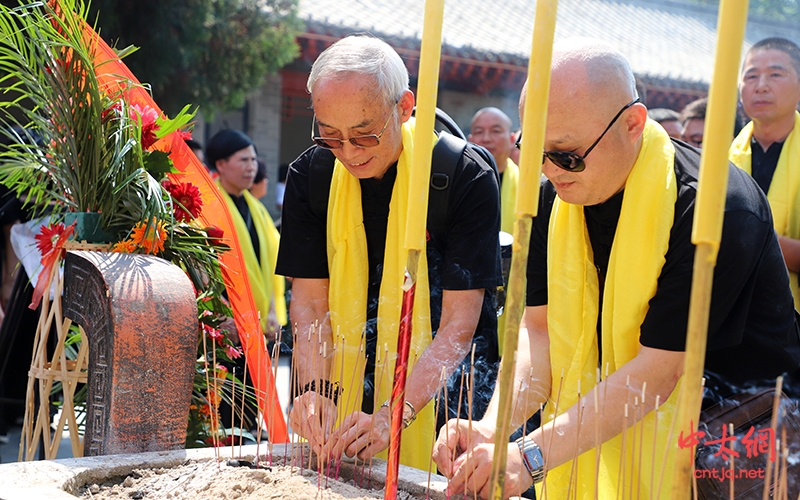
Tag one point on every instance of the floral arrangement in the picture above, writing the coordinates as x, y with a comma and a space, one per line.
80, 146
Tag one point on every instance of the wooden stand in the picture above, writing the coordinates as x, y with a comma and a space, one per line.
45, 371
138, 325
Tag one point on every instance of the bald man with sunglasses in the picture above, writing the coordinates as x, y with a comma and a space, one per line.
609, 279
347, 264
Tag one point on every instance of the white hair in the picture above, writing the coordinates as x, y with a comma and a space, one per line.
362, 55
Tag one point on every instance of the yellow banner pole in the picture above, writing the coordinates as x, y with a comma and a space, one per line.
708, 217
419, 182
533, 129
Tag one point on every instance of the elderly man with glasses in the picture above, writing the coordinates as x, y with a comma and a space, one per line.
609, 279
347, 263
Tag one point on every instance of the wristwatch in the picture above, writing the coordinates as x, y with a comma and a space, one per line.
532, 458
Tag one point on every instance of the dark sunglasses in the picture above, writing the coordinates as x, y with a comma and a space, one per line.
573, 162
361, 141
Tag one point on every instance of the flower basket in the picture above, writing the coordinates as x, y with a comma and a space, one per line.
91, 154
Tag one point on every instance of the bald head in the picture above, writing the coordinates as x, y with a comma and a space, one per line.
491, 128
592, 71
494, 112
591, 82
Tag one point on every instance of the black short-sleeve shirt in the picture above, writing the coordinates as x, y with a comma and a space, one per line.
467, 257
752, 333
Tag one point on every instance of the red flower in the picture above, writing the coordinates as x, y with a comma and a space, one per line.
188, 201
185, 135
234, 352
215, 235
213, 333
148, 117
50, 237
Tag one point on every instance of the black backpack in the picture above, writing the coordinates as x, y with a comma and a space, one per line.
447, 152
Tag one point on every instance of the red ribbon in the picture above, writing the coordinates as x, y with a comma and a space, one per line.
49, 260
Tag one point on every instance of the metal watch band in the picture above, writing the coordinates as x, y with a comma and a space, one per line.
532, 458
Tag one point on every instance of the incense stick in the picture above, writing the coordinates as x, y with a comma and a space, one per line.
241, 428
641, 414
442, 381
548, 444
655, 441
776, 401
375, 401
622, 464
447, 433
574, 465
595, 393
470, 396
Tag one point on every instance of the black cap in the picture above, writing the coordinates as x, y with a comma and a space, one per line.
225, 143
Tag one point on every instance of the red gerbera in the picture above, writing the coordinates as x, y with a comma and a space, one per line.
188, 201
49, 236
148, 117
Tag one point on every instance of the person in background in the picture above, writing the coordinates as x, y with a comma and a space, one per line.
491, 128
197, 149
668, 119
233, 155
514, 154
261, 181
768, 147
693, 121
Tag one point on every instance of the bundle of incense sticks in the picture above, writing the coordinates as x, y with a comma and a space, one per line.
329, 467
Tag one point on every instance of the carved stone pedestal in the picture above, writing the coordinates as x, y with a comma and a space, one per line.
140, 318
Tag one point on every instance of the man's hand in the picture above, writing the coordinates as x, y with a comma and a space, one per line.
455, 440
312, 417
361, 434
473, 471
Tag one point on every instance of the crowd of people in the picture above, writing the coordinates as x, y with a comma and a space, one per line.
609, 270
608, 275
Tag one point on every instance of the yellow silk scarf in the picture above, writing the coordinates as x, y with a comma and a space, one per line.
784, 188
347, 299
508, 197
265, 285
637, 256
508, 216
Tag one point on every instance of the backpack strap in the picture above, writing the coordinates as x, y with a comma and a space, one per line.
446, 154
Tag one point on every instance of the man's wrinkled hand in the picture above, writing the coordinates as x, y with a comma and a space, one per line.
312, 416
361, 434
473, 472
455, 439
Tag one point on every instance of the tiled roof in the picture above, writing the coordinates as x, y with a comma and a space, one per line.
666, 42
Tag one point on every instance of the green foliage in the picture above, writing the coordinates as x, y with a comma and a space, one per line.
211, 53
87, 156
78, 144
